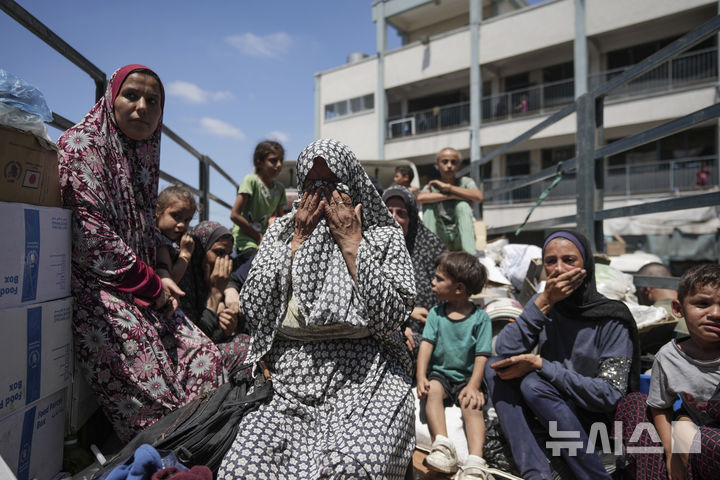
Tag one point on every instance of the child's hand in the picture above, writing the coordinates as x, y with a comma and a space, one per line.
471, 398
423, 387
187, 245
419, 314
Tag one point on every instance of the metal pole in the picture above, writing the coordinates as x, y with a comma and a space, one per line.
204, 187
475, 95
380, 99
580, 50
585, 153
717, 98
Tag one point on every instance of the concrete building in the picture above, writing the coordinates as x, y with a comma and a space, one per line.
429, 93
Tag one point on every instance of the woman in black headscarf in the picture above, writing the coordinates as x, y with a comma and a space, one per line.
424, 247
587, 360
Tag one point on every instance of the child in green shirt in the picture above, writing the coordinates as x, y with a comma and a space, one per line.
457, 341
260, 197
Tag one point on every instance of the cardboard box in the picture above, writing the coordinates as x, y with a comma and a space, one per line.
80, 400
35, 351
34, 254
31, 440
28, 168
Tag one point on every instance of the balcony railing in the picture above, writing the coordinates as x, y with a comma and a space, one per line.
434, 119
684, 70
636, 178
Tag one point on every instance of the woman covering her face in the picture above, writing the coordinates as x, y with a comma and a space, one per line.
588, 359
424, 247
141, 358
205, 285
323, 301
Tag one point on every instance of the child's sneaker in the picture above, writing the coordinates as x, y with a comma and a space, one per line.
442, 457
475, 468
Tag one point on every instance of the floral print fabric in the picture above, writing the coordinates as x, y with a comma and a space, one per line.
141, 365
339, 406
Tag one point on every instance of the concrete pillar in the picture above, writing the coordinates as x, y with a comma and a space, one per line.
580, 50
319, 111
475, 93
380, 99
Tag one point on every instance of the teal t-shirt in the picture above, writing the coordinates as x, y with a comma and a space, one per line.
261, 204
457, 342
449, 205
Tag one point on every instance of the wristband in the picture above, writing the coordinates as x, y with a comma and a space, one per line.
185, 256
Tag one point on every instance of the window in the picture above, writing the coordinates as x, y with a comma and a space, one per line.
348, 107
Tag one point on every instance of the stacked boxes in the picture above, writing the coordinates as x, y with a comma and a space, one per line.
35, 307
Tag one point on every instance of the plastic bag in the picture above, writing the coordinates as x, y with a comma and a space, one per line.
516, 260
23, 106
615, 284
16, 118
16, 92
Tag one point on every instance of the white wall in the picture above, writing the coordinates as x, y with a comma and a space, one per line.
348, 81
358, 132
427, 144
444, 54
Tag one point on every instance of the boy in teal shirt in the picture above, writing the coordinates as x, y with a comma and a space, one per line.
457, 341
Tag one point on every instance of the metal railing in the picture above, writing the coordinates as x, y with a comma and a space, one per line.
433, 119
634, 178
685, 70
588, 164
205, 163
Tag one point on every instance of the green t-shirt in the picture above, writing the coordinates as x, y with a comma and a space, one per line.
261, 204
457, 342
449, 205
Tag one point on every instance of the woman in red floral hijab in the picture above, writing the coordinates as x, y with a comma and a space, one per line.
141, 357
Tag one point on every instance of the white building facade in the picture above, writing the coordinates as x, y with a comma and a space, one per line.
531, 61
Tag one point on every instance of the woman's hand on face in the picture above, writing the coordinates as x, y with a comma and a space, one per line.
559, 286
309, 213
220, 274
517, 366
344, 221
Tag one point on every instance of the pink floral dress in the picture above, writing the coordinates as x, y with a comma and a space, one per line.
140, 364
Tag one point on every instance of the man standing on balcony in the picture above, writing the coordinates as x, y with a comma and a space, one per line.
448, 203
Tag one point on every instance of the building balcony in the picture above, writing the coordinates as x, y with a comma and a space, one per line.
631, 179
687, 70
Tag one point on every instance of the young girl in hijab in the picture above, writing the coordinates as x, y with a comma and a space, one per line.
141, 357
323, 301
588, 359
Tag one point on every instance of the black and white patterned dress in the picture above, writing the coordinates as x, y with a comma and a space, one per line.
342, 407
